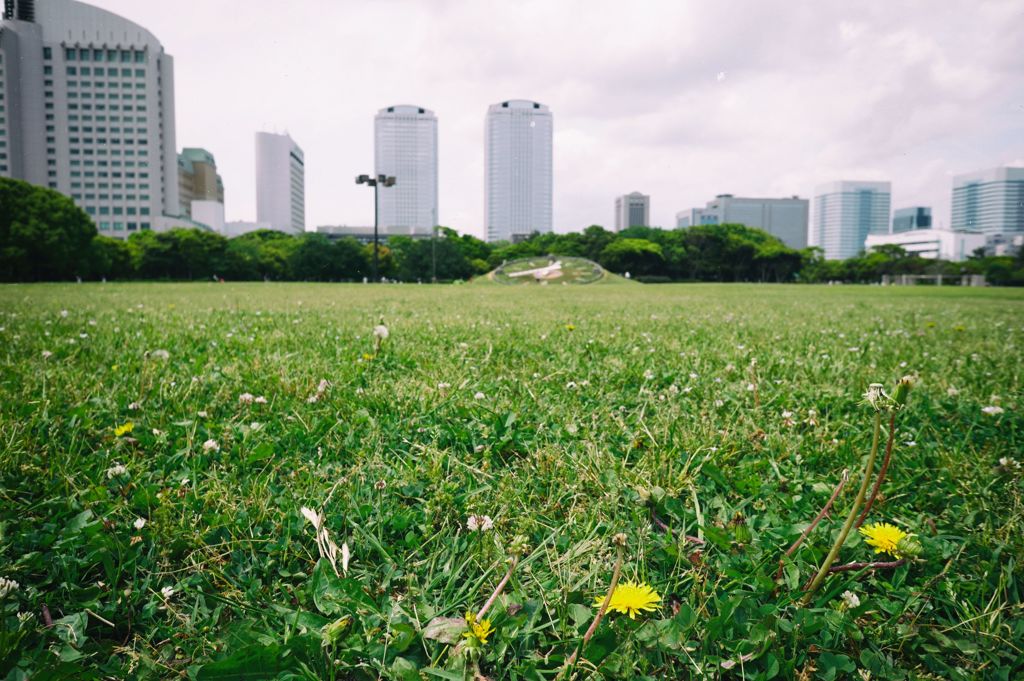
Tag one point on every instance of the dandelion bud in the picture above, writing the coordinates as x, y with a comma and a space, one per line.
899, 396
909, 547
334, 631
519, 547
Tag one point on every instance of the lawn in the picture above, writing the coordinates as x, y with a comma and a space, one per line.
158, 443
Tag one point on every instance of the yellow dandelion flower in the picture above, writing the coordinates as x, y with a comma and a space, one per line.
884, 538
570, 327
124, 429
478, 630
631, 598
367, 357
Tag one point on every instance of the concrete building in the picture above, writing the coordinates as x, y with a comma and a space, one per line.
946, 244
280, 183
518, 176
632, 210
913, 218
992, 202
785, 219
198, 179
87, 108
846, 212
682, 219
405, 147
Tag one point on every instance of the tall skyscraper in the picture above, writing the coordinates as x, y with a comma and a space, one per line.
845, 212
785, 219
87, 108
280, 183
518, 174
910, 219
632, 210
405, 147
990, 201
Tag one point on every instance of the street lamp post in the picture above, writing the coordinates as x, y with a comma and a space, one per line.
380, 180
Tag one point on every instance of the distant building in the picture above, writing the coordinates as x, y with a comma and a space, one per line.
518, 176
280, 183
240, 227
991, 202
87, 109
365, 234
946, 244
784, 218
908, 219
846, 212
198, 179
632, 210
405, 146
682, 219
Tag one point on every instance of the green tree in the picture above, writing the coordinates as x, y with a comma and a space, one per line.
44, 236
640, 257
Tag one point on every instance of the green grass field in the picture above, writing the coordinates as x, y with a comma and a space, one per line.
709, 424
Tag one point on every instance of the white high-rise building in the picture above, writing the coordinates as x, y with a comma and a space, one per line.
846, 212
405, 147
280, 183
632, 210
990, 201
87, 108
518, 182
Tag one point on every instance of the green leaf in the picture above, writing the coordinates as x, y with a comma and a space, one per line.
444, 629
261, 452
251, 662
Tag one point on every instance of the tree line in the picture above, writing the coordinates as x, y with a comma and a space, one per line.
45, 237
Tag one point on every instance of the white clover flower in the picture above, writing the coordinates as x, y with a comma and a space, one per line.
472, 524
211, 446
479, 396
245, 398
750, 387
992, 410
648, 375
63, 313
167, 592
486, 523
260, 400
850, 599
116, 471
134, 406
380, 331
952, 392
1009, 462
444, 386
571, 385
160, 354
47, 354
139, 523
202, 414
7, 586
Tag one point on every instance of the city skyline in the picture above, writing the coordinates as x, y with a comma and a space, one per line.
877, 91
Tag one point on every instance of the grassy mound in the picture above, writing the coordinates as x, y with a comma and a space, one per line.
545, 270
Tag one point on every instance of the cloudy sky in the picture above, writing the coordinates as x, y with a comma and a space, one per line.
678, 99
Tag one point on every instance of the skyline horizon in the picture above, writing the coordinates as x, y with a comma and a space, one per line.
636, 123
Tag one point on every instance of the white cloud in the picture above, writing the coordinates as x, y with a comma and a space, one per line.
906, 91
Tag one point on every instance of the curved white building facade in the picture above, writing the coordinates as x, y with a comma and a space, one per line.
87, 108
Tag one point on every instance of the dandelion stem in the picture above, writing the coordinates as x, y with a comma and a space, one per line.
844, 533
814, 523
881, 472
498, 589
881, 565
616, 571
